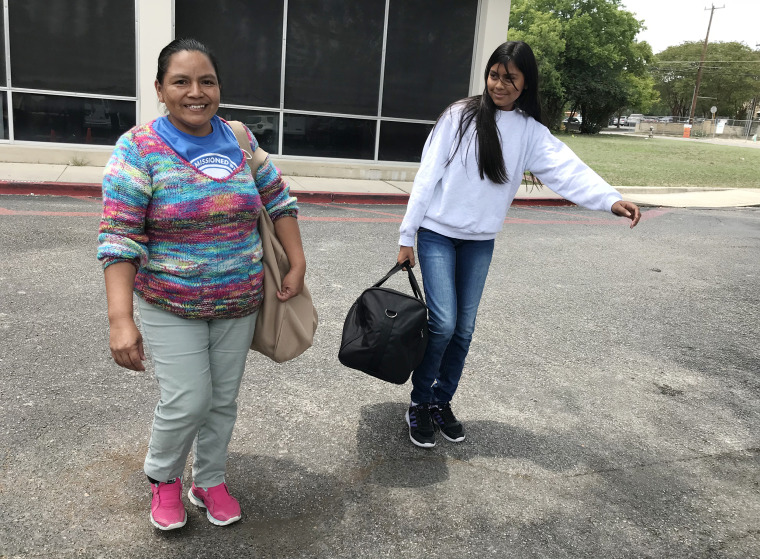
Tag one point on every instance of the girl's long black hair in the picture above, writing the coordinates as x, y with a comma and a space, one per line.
481, 110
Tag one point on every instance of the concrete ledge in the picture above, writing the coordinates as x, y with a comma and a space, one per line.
332, 184
346, 170
726, 198
97, 156
39, 188
665, 189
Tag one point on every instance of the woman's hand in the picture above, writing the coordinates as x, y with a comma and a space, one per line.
292, 284
127, 344
627, 209
404, 254
125, 339
290, 237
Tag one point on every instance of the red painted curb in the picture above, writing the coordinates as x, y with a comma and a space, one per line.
307, 197
50, 188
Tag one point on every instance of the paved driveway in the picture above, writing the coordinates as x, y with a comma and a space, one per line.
610, 399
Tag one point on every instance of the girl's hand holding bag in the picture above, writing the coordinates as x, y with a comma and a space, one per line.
385, 333
284, 330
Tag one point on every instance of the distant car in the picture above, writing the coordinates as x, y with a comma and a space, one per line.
573, 123
666, 119
634, 119
619, 121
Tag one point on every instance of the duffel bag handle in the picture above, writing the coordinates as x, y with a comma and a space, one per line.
412, 280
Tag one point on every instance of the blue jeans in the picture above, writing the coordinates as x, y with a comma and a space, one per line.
453, 273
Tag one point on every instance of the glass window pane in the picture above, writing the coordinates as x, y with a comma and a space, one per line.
73, 45
3, 81
4, 135
324, 136
402, 141
333, 56
246, 39
70, 120
428, 56
265, 126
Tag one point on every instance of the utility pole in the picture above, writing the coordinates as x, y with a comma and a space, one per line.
701, 63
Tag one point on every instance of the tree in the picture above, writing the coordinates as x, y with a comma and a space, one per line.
547, 43
588, 58
730, 78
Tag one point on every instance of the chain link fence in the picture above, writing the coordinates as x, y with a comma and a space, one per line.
727, 128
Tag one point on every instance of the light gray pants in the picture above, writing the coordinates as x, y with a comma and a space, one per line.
199, 365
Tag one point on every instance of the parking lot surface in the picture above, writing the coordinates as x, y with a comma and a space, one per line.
610, 400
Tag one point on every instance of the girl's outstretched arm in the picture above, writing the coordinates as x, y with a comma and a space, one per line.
627, 209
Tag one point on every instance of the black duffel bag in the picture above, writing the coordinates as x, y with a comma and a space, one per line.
385, 333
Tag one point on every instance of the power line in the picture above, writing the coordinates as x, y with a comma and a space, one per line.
701, 62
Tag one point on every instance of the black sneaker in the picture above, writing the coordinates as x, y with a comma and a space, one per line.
421, 430
451, 429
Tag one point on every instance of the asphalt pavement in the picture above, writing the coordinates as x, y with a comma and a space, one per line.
610, 400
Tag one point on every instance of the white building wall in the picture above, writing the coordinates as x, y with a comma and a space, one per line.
493, 21
154, 32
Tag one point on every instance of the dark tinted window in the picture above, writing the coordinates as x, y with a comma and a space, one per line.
429, 56
73, 45
3, 81
402, 141
246, 38
333, 55
72, 120
4, 123
324, 136
265, 126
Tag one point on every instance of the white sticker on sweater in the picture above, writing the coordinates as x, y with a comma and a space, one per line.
215, 165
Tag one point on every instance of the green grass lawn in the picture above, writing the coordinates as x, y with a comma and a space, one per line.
639, 161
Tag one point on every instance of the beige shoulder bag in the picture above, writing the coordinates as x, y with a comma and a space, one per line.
283, 330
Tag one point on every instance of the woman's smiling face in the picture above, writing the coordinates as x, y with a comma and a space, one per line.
505, 85
190, 91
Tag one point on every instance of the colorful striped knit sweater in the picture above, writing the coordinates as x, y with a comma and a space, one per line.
193, 238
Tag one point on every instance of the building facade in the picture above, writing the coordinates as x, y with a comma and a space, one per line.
360, 81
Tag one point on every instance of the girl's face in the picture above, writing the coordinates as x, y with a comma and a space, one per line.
505, 85
190, 91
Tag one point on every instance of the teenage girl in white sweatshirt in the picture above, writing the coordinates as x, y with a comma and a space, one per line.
472, 165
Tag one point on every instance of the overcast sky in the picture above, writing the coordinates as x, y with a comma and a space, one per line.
671, 22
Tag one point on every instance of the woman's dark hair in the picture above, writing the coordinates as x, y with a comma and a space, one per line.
178, 45
482, 110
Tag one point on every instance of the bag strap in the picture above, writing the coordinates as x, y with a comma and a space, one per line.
259, 156
412, 280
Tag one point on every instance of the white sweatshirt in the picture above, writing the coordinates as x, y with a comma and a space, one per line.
454, 201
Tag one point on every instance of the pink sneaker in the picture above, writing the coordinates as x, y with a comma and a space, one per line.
166, 509
221, 507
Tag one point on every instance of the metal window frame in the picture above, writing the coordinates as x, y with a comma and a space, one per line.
382, 78
378, 118
9, 90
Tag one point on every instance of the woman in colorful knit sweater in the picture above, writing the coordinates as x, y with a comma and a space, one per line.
180, 208
472, 165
